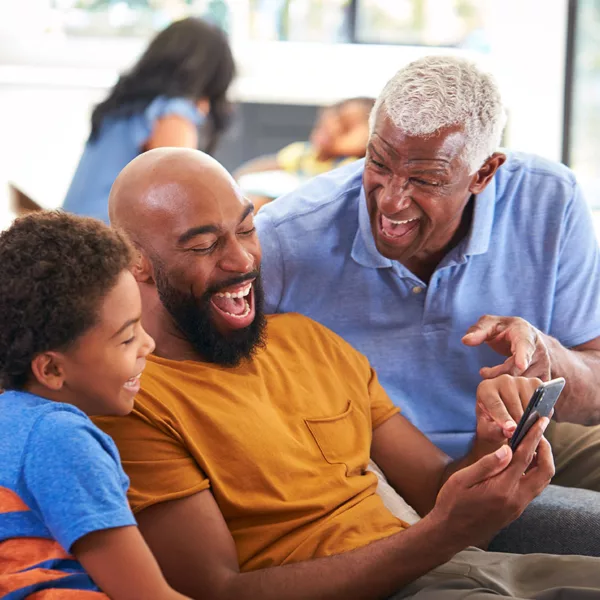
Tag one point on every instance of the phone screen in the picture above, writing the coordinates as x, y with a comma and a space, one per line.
541, 404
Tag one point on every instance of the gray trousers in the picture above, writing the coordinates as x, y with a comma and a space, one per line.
565, 519
477, 575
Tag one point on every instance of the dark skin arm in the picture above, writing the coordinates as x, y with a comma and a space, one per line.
423, 469
396, 438
580, 366
196, 551
122, 566
197, 554
532, 353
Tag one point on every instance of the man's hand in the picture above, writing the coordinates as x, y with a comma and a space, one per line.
521, 342
499, 407
479, 500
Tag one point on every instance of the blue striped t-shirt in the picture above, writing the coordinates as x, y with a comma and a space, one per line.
60, 479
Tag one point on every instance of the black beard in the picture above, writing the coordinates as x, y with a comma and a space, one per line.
192, 317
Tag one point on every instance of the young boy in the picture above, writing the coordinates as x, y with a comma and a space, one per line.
71, 345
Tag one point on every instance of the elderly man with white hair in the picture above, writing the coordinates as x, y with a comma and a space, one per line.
438, 252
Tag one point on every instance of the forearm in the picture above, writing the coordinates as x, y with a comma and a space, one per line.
121, 564
580, 400
375, 571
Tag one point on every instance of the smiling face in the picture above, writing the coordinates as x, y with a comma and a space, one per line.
222, 258
205, 259
101, 370
416, 190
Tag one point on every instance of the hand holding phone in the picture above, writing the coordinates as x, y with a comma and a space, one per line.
541, 404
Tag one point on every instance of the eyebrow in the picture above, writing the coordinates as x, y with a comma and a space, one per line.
249, 208
386, 147
372, 149
203, 229
125, 326
194, 231
434, 171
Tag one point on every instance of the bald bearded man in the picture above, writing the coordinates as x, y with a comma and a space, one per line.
248, 445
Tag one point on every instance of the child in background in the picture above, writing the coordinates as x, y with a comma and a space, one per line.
339, 137
71, 345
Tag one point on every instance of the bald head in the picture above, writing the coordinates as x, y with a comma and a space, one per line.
198, 254
159, 189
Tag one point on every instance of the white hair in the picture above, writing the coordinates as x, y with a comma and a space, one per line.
440, 91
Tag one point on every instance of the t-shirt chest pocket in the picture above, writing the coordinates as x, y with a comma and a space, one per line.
343, 439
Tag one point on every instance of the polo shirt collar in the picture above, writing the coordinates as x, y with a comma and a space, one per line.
478, 240
364, 251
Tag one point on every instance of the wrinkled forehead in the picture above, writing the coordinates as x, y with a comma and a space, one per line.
446, 144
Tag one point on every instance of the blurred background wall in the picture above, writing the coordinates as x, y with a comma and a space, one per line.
59, 57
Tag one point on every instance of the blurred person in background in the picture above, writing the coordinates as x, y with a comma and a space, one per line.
339, 137
176, 92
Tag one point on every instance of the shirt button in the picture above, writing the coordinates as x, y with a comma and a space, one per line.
417, 289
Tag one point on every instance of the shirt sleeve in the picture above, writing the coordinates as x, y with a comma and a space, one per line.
158, 464
271, 267
382, 408
72, 471
576, 310
164, 107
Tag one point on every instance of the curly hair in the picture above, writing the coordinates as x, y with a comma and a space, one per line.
55, 270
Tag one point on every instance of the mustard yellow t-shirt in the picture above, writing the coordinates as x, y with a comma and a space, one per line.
282, 441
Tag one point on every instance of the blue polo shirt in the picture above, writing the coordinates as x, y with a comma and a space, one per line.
531, 252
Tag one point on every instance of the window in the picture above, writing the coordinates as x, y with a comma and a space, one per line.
582, 142
132, 18
324, 21
459, 23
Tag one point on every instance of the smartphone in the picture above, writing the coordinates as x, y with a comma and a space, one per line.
541, 404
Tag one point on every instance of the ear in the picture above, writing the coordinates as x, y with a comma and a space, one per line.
142, 268
486, 172
48, 370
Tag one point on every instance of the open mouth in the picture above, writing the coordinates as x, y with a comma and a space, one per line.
235, 305
133, 383
397, 231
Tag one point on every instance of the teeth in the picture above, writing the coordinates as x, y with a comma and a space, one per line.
132, 380
400, 222
241, 294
